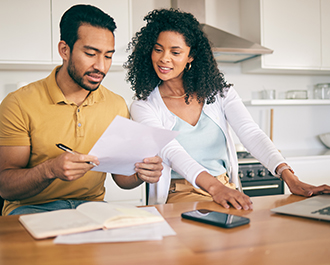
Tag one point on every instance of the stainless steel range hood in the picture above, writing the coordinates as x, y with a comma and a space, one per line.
227, 47
231, 48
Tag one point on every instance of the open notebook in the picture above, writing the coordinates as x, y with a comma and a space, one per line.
316, 207
86, 217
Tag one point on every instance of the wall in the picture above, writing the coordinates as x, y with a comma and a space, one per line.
294, 127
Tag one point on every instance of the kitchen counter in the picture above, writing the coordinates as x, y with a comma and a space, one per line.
318, 153
269, 239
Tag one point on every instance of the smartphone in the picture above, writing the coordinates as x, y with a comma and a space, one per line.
216, 218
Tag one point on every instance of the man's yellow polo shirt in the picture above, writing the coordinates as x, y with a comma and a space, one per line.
38, 115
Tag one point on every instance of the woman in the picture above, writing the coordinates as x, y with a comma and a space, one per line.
178, 86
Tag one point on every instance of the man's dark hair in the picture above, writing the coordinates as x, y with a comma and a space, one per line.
78, 15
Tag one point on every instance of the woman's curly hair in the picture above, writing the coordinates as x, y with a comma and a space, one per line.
204, 77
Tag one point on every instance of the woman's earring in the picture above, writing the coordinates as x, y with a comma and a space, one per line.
189, 67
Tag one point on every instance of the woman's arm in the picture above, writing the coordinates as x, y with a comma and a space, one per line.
178, 159
222, 194
262, 148
249, 133
298, 187
173, 154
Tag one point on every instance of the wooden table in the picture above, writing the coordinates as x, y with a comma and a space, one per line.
268, 239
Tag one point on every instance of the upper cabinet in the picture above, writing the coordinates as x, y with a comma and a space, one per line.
30, 31
297, 31
325, 33
25, 30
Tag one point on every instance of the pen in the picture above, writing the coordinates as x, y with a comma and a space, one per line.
69, 150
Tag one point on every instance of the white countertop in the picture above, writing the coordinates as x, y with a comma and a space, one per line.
319, 153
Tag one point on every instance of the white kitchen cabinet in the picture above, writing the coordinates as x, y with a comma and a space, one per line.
296, 31
30, 32
25, 30
119, 10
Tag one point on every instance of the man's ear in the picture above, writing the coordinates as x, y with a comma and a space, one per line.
64, 50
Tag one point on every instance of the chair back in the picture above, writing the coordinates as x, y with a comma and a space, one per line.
1, 205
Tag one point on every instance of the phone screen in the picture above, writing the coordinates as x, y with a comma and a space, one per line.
216, 218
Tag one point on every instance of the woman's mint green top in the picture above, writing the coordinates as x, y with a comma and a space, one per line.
205, 142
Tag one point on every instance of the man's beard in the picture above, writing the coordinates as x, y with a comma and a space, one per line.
79, 79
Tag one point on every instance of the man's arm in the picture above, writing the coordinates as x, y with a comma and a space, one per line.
18, 182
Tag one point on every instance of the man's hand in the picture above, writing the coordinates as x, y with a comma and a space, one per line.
150, 169
18, 182
69, 166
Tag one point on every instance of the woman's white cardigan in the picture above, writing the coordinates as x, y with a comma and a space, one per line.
227, 111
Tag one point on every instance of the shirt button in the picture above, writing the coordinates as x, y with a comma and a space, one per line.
79, 124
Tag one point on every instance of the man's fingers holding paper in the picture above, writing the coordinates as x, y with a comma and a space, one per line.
150, 169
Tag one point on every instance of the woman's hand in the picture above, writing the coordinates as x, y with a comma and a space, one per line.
223, 195
298, 187
226, 196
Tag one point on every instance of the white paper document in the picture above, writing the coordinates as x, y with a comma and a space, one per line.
154, 231
126, 142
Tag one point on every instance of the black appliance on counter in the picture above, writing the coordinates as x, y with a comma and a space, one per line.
257, 180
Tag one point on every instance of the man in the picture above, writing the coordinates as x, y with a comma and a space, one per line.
70, 107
